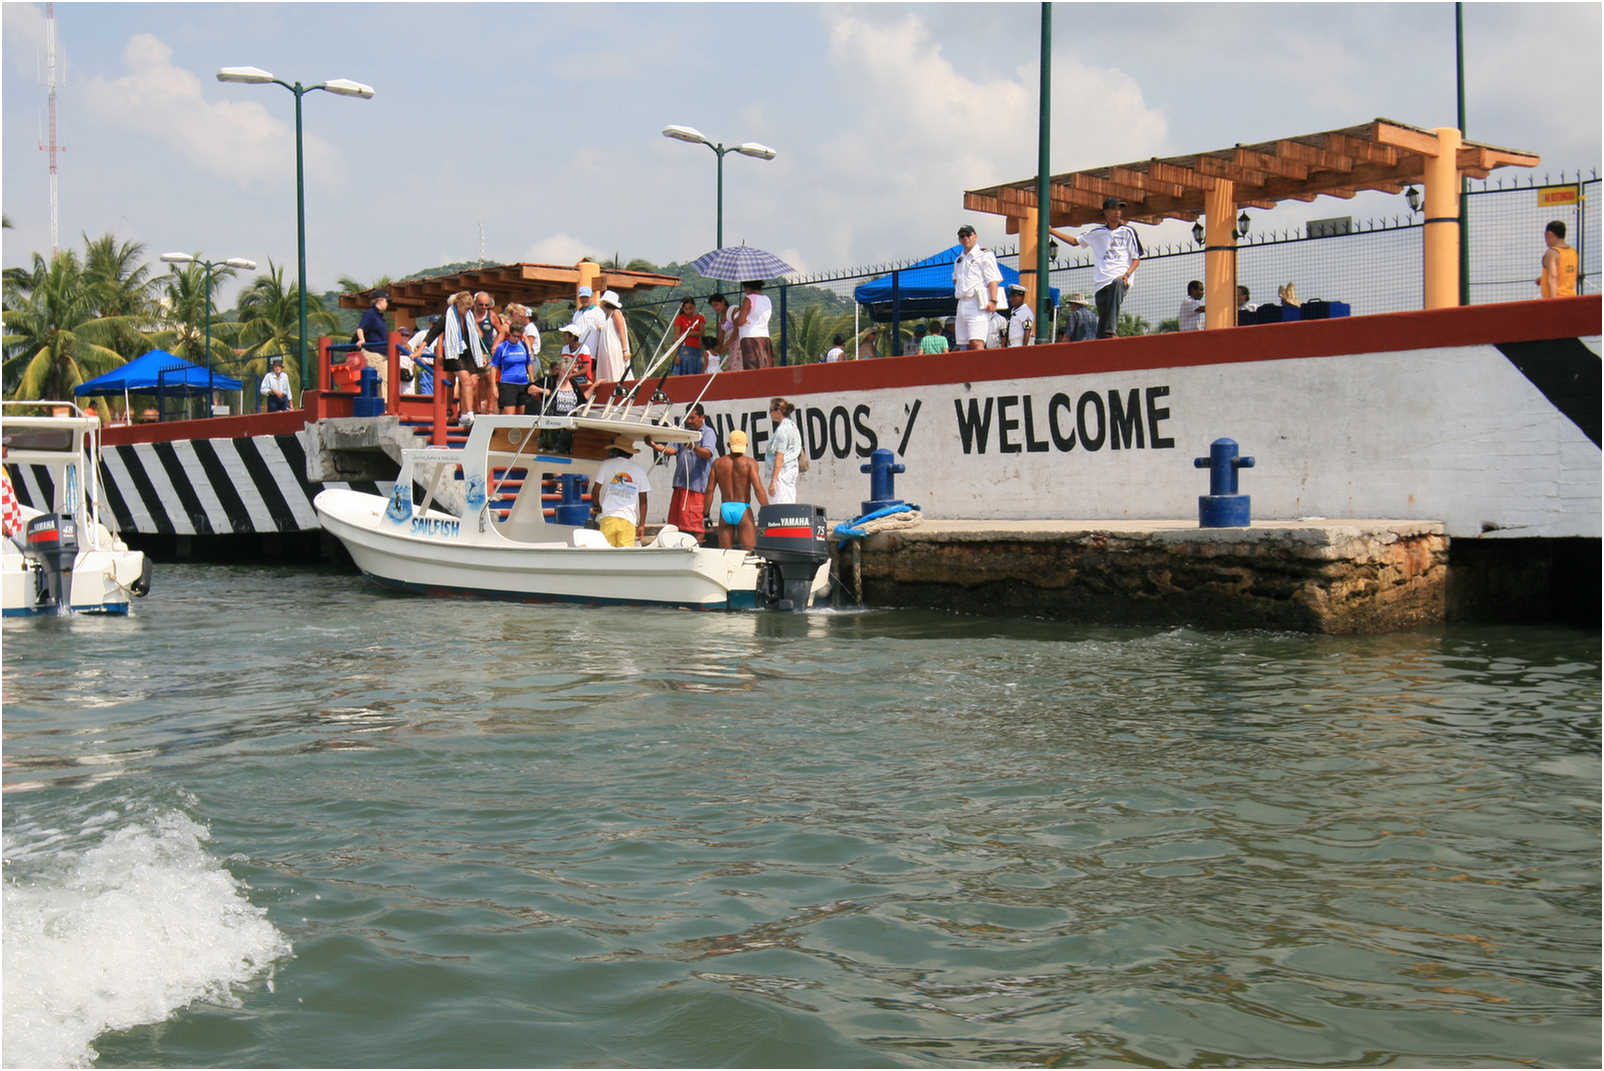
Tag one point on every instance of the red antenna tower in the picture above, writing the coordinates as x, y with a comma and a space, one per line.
52, 148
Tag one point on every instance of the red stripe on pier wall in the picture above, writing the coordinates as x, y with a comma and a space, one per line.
1521, 321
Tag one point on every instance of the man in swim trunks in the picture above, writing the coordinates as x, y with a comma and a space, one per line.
736, 476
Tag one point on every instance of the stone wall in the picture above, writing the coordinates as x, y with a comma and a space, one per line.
1332, 577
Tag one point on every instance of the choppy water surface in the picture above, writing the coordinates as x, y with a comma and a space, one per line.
279, 818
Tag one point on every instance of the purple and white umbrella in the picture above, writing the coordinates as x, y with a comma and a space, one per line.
740, 263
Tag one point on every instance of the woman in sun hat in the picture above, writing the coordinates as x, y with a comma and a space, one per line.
613, 356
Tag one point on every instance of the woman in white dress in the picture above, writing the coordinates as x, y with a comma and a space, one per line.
612, 356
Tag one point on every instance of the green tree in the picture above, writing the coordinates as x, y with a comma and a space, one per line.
1169, 327
182, 322
55, 335
810, 332
269, 323
1131, 324
115, 270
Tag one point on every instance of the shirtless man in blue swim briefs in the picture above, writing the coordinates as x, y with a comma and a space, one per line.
736, 475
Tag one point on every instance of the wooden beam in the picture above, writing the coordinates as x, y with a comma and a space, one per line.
1420, 142
1315, 157
1368, 151
1271, 163
1214, 167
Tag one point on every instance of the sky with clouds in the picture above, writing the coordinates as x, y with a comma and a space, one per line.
537, 125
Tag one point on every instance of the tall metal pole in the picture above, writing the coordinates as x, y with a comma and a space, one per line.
1043, 200
718, 150
300, 238
1464, 183
208, 300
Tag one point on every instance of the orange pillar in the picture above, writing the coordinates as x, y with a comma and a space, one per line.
1442, 221
1027, 258
1219, 255
589, 272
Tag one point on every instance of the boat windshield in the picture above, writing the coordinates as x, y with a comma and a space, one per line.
57, 440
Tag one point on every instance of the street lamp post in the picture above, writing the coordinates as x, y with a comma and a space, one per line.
340, 86
696, 137
231, 262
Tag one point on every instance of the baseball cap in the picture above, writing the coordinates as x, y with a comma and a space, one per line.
965, 229
1112, 202
585, 291
737, 442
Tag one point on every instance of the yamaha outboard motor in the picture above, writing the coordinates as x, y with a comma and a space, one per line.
793, 541
53, 541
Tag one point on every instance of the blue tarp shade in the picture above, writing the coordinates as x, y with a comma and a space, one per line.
926, 288
158, 370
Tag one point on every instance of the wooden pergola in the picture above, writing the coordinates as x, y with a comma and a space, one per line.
1379, 155
527, 284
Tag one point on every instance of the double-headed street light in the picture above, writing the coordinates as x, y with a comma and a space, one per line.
231, 262
255, 76
749, 148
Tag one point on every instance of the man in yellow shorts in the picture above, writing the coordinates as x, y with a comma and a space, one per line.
620, 494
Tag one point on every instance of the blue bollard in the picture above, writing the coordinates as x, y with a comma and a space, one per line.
1222, 507
882, 471
574, 507
367, 402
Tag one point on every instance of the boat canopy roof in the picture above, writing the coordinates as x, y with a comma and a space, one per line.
1382, 154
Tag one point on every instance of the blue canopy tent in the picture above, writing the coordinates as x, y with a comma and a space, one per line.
923, 289
161, 372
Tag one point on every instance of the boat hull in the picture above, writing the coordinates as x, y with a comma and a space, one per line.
436, 553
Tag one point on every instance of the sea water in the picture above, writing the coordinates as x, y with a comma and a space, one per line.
279, 817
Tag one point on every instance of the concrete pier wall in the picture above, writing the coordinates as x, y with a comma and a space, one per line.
1351, 576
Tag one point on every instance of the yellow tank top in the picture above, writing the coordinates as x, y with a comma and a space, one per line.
1567, 274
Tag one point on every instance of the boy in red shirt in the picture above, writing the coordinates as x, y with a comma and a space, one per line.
689, 361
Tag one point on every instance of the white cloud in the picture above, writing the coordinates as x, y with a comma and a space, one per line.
926, 131
24, 31
557, 249
239, 139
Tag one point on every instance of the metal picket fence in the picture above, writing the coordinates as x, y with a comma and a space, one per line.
1373, 265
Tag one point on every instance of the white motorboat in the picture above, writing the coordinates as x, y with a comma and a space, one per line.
502, 540
62, 559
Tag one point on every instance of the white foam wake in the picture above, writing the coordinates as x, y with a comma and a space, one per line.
123, 933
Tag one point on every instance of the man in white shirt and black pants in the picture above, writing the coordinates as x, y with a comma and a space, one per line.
1021, 320
1116, 251
975, 278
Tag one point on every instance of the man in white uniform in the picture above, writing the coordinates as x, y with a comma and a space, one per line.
975, 278
1021, 320
1116, 252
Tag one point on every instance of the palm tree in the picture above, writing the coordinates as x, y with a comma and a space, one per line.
647, 326
183, 317
809, 334
269, 315
1131, 324
114, 269
55, 335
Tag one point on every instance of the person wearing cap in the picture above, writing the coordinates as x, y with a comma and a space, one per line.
1021, 321
275, 390
975, 279
1080, 322
752, 323
736, 476
612, 353
589, 318
575, 349
619, 493
1116, 253
373, 335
